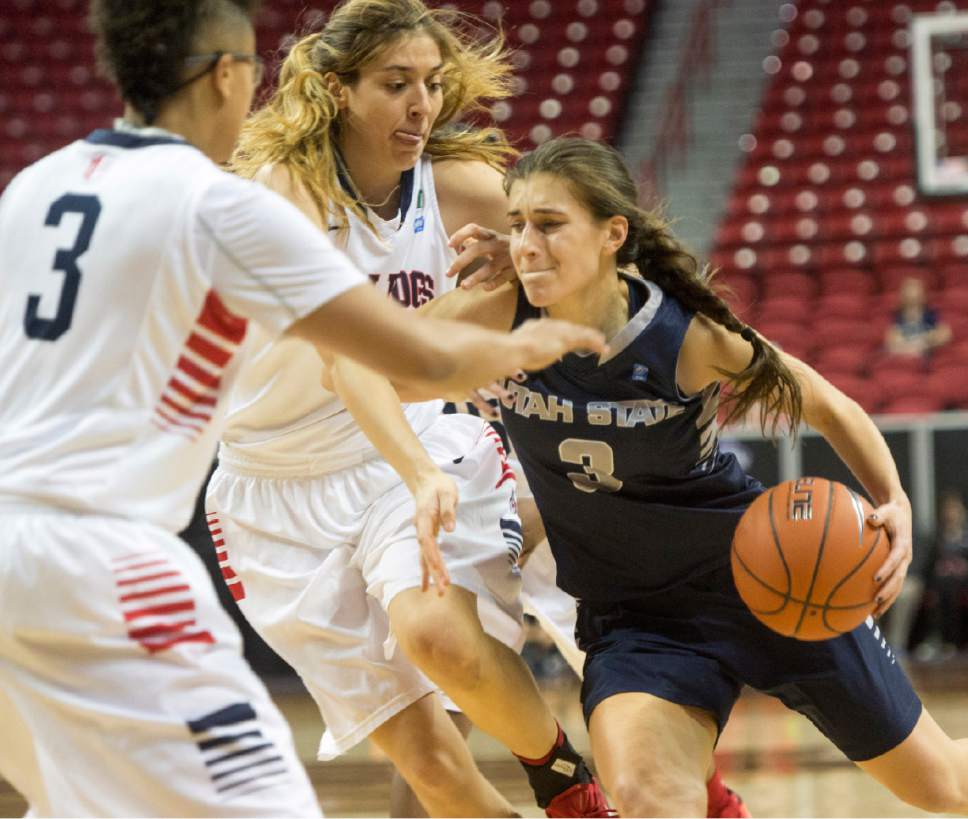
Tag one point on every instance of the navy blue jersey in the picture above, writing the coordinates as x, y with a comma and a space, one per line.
634, 492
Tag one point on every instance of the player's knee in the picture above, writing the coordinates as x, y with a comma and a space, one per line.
448, 656
642, 794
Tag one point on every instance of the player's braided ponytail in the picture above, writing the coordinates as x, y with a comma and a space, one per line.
599, 179
142, 44
766, 380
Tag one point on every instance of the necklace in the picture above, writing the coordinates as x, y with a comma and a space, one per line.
375, 205
344, 169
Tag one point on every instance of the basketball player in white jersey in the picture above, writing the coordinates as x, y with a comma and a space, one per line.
315, 528
133, 268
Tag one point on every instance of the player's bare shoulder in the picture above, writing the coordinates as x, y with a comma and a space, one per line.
470, 191
708, 349
280, 178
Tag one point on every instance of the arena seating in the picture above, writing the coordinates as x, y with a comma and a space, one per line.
574, 63
825, 218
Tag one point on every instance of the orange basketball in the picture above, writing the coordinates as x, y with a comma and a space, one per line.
804, 558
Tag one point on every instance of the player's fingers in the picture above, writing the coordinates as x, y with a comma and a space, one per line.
469, 231
483, 406
427, 521
440, 573
900, 546
474, 252
506, 274
424, 574
483, 275
448, 510
888, 592
500, 392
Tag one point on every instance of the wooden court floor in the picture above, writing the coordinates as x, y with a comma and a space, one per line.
776, 759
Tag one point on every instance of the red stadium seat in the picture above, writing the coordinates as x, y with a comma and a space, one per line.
786, 309
847, 280
912, 405
834, 330
841, 359
845, 305
788, 285
949, 385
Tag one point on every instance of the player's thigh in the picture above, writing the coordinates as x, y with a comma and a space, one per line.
130, 680
652, 753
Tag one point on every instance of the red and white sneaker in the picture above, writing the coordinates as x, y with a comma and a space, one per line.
723, 801
582, 799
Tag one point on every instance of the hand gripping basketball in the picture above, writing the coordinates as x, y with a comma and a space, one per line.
804, 559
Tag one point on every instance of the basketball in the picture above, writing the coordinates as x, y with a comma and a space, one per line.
804, 558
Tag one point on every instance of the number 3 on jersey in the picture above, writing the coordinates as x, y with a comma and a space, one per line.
596, 459
65, 261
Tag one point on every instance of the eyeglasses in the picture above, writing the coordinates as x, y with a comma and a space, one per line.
258, 66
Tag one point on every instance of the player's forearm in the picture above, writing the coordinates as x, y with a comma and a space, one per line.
860, 445
375, 405
456, 357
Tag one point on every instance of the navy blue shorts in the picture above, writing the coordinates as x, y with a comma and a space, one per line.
697, 644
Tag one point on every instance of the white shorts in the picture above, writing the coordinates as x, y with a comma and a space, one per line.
315, 562
123, 691
554, 609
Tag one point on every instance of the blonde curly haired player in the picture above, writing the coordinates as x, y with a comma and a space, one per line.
327, 502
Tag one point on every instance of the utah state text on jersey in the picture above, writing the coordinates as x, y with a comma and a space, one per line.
623, 414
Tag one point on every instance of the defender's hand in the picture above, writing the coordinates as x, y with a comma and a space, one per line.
541, 342
489, 250
435, 496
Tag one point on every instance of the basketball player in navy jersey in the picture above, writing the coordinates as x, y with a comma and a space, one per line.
640, 504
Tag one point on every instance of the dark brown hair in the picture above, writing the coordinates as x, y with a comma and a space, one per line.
599, 179
141, 45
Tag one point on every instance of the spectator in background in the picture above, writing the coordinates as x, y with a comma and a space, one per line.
901, 619
949, 581
916, 330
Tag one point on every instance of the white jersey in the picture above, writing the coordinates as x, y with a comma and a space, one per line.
130, 265
280, 421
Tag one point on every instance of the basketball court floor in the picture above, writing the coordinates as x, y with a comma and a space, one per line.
776, 759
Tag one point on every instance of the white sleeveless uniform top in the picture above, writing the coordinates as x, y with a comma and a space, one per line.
130, 266
280, 422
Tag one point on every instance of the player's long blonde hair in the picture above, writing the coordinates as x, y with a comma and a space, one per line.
600, 180
299, 125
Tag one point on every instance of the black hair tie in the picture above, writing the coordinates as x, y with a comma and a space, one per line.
747, 334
